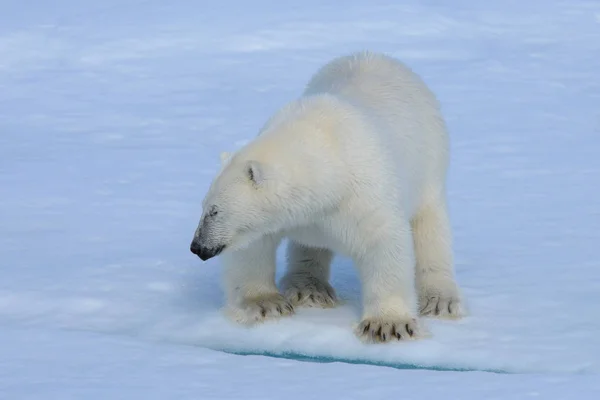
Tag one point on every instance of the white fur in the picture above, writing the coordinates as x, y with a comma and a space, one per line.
355, 166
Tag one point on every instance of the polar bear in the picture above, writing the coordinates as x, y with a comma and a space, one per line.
355, 166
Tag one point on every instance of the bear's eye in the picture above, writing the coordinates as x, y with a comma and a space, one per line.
213, 211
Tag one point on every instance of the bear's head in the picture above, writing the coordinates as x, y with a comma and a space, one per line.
247, 199
294, 173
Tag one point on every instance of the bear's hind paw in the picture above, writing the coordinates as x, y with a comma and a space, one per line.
445, 307
310, 292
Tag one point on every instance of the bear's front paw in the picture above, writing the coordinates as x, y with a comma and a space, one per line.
448, 306
383, 330
258, 309
308, 291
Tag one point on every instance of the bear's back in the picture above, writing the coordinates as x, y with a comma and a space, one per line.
372, 79
397, 100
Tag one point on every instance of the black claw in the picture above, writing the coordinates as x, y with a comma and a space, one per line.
378, 333
398, 336
279, 310
383, 337
299, 296
289, 307
437, 308
366, 328
312, 297
393, 333
263, 312
410, 331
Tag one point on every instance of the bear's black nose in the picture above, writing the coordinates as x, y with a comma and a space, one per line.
205, 253
195, 248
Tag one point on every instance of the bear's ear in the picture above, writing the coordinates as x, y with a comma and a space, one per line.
224, 157
255, 172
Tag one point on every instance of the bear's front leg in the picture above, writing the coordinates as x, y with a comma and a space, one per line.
249, 280
306, 280
387, 270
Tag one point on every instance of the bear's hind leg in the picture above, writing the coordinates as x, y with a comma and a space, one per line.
438, 291
249, 278
305, 283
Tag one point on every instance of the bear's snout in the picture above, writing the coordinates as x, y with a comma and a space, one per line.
205, 253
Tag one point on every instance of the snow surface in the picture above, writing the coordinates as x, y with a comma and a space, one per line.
112, 118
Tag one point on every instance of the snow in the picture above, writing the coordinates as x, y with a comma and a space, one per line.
112, 118
117, 368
